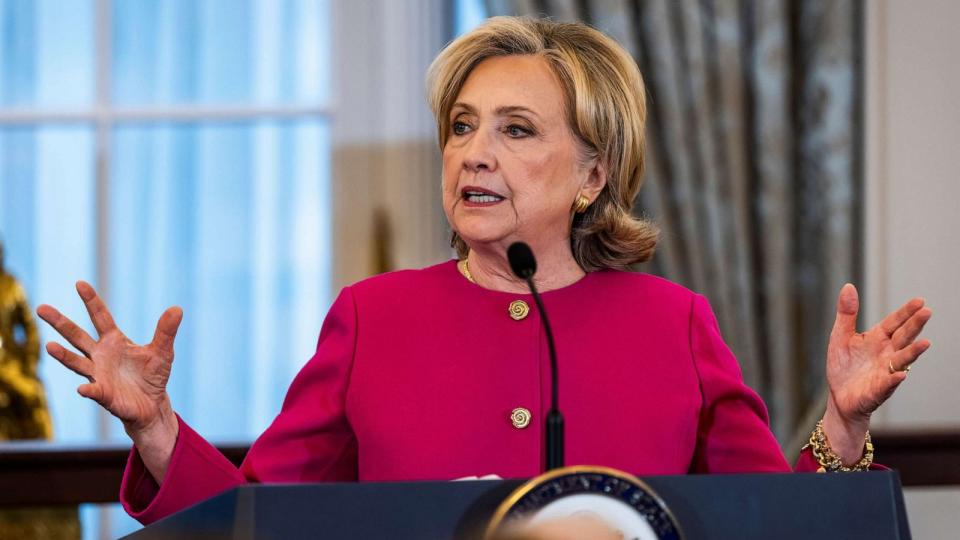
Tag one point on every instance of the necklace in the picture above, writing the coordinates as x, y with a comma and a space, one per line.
464, 268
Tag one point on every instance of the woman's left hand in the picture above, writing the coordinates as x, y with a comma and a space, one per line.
864, 369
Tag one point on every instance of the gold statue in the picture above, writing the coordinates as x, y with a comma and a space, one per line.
23, 409
23, 406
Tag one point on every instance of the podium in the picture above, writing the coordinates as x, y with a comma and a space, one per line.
752, 506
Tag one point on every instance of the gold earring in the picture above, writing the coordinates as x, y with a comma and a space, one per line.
581, 205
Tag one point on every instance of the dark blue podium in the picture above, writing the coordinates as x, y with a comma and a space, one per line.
755, 506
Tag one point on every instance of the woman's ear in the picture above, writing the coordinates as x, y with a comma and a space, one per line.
595, 182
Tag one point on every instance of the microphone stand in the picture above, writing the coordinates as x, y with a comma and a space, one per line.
554, 428
524, 266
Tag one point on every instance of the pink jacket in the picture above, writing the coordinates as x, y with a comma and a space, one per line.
416, 374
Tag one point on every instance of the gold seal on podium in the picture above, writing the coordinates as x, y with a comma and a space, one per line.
596, 502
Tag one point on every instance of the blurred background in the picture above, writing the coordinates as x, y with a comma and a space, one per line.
246, 159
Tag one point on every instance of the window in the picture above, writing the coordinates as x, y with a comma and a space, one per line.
191, 152
172, 152
468, 14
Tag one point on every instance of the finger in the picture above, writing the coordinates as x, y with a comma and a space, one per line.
848, 305
99, 314
895, 320
81, 365
911, 329
67, 328
167, 327
888, 385
92, 391
906, 357
895, 380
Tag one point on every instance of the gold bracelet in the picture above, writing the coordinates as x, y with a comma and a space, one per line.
830, 461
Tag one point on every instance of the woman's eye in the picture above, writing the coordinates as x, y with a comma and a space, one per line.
459, 128
517, 132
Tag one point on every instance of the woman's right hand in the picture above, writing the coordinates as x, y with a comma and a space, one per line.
128, 380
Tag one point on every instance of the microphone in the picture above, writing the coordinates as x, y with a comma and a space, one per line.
524, 265
522, 262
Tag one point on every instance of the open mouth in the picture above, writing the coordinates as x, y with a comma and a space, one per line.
479, 196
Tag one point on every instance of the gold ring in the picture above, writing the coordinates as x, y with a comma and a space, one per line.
892, 371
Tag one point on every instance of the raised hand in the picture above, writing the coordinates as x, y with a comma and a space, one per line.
127, 379
864, 369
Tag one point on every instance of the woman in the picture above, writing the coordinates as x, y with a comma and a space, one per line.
442, 372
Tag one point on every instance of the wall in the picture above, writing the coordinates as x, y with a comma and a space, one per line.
913, 129
385, 158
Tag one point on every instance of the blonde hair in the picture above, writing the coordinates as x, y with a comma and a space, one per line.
606, 110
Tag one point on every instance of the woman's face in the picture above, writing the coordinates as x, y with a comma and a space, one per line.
511, 165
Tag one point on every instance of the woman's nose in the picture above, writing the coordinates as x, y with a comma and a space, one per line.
479, 152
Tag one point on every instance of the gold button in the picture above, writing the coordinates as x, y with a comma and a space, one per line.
519, 310
520, 417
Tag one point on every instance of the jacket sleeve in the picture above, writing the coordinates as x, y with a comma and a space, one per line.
309, 441
733, 435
